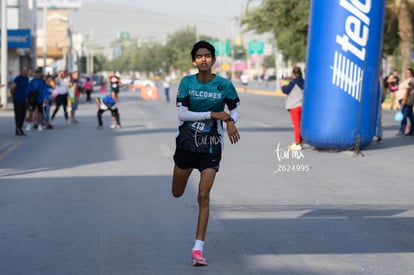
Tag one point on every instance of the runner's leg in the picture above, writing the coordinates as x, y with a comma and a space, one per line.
179, 180
207, 177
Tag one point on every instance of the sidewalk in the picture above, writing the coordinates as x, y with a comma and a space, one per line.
7, 131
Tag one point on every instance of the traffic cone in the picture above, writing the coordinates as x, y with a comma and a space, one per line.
149, 93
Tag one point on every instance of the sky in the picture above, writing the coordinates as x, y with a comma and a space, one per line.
102, 20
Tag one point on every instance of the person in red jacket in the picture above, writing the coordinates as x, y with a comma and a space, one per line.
294, 99
88, 88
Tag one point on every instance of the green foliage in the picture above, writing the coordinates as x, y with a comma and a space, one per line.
178, 48
286, 20
98, 65
240, 52
391, 38
269, 61
154, 57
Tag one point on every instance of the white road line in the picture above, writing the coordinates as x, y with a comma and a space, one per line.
261, 124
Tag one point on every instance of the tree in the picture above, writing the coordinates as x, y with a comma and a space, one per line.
391, 38
178, 48
403, 11
286, 20
240, 52
269, 61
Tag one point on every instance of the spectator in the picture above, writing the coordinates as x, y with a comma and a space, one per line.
405, 98
88, 88
20, 90
42, 100
166, 85
294, 99
47, 100
74, 93
393, 83
245, 81
62, 86
35, 88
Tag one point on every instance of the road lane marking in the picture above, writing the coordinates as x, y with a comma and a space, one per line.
261, 124
8, 149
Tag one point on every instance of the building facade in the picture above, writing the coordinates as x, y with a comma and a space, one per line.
21, 21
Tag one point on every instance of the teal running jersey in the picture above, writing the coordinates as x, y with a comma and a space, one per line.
211, 96
205, 136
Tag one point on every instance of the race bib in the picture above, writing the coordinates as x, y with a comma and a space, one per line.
203, 127
199, 136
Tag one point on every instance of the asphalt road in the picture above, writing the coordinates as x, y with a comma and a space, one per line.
82, 200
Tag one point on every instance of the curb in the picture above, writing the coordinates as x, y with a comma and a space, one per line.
384, 105
262, 92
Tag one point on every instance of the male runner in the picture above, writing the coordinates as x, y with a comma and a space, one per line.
114, 85
201, 100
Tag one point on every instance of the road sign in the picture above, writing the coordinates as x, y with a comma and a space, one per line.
222, 47
123, 35
59, 4
256, 47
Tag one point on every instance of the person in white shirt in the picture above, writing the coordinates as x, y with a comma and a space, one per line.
62, 86
166, 86
245, 81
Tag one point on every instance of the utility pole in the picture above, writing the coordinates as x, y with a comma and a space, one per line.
44, 36
70, 57
4, 57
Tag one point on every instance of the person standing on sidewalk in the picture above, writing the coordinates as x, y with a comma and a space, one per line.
20, 91
294, 100
166, 85
201, 100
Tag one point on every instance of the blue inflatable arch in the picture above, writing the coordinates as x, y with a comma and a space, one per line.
342, 71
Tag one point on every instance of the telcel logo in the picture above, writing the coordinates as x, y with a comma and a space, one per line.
355, 30
348, 75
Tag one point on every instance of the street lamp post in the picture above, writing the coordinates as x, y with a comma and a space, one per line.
4, 56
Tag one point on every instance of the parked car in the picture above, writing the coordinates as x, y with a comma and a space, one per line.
97, 79
267, 77
141, 83
126, 81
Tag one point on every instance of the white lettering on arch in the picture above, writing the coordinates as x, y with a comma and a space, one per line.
365, 8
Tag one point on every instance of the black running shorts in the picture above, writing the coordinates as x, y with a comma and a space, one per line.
187, 159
